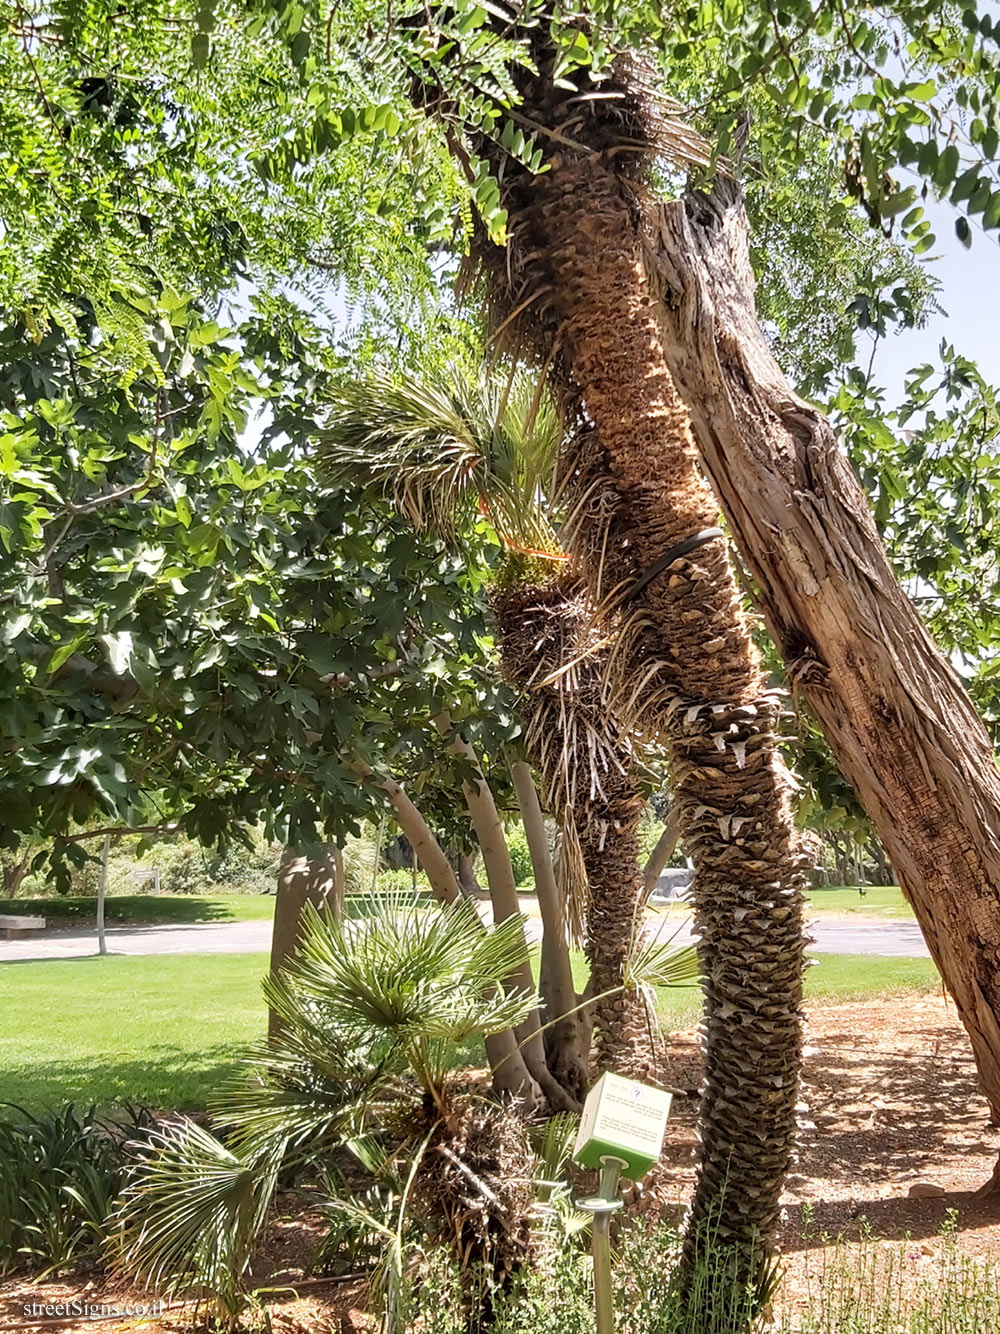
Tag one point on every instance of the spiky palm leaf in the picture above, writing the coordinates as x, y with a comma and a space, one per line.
444, 448
190, 1216
371, 1012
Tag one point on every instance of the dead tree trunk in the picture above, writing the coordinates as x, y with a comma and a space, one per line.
902, 728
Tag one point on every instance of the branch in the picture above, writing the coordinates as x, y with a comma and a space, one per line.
114, 829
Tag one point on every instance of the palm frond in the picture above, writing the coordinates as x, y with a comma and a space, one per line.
402, 972
661, 963
190, 1217
445, 448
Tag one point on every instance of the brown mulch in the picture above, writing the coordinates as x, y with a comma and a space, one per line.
892, 1101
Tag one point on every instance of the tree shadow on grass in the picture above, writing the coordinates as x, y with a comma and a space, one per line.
169, 1077
124, 909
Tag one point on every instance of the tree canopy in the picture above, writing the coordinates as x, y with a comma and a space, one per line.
280, 156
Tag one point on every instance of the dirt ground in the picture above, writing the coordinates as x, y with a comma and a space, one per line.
892, 1107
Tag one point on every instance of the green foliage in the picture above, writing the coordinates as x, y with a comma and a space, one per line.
60, 1174
446, 448
194, 635
932, 470
520, 856
371, 1014
189, 1218
874, 1287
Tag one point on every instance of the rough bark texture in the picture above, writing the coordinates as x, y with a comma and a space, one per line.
550, 650
903, 730
685, 664
609, 845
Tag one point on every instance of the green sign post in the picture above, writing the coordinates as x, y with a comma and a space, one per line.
621, 1132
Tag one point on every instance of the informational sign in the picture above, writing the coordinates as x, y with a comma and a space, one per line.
622, 1119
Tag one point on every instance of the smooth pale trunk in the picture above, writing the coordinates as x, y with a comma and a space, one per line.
511, 1076
567, 1033
503, 893
305, 875
662, 851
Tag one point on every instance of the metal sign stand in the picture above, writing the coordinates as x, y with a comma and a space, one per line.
602, 1206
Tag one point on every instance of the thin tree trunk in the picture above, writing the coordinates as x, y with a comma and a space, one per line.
102, 890
663, 851
553, 651
567, 1035
503, 893
902, 728
305, 875
338, 890
511, 1077
14, 873
427, 850
467, 875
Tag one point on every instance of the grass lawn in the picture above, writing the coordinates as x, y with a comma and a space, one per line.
876, 901
161, 1030
146, 909
164, 1030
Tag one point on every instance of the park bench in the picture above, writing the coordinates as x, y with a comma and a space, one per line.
14, 927
672, 886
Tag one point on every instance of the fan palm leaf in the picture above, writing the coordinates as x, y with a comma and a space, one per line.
444, 449
190, 1216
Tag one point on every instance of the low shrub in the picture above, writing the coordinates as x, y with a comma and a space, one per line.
60, 1177
520, 856
851, 1288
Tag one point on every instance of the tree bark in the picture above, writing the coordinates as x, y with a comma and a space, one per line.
467, 875
14, 873
642, 525
567, 1034
902, 728
305, 875
511, 1077
503, 893
555, 652
427, 850
102, 891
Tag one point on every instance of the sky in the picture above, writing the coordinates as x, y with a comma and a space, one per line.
970, 294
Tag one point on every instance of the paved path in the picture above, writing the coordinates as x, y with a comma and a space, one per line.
900, 939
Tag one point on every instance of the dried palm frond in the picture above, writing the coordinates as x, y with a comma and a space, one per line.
555, 654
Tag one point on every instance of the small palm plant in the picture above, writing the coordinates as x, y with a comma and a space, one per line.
374, 1013
444, 449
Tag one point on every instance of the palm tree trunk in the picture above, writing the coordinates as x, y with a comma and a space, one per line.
902, 728
552, 652
609, 844
689, 669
